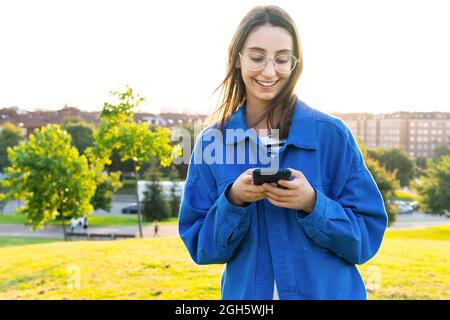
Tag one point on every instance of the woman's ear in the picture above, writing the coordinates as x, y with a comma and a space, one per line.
238, 63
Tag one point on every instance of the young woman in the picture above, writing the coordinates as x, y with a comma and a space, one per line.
298, 239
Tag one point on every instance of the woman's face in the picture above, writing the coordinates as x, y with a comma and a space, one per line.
262, 86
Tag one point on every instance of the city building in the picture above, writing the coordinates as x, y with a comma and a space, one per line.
418, 133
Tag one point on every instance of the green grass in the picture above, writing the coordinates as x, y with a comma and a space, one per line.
19, 241
94, 221
411, 264
12, 219
440, 233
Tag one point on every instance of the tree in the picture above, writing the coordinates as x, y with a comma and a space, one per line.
3, 200
385, 180
434, 188
421, 166
174, 196
119, 131
126, 167
441, 150
81, 133
387, 184
107, 185
69, 120
182, 168
10, 136
397, 161
155, 205
51, 177
2, 206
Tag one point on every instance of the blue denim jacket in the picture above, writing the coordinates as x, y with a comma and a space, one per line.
311, 256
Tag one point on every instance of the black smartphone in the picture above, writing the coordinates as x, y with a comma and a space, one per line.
262, 175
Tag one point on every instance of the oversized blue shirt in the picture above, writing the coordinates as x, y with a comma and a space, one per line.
311, 256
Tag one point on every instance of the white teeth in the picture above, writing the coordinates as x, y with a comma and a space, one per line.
267, 84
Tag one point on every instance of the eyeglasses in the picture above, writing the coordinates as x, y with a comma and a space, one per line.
255, 61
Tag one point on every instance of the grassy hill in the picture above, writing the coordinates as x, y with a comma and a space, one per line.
412, 264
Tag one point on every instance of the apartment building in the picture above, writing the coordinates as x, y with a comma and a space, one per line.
418, 133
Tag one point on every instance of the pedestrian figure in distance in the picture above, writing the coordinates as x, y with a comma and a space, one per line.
156, 229
73, 224
80, 222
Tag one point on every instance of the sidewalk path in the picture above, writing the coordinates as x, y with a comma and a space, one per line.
404, 221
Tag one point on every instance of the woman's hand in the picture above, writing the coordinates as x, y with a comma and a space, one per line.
243, 190
298, 193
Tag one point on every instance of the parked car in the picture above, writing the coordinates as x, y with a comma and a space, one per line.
132, 208
415, 205
404, 208
399, 202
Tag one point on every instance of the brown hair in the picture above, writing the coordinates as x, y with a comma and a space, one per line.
233, 92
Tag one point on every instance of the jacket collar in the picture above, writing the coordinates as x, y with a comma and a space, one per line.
302, 132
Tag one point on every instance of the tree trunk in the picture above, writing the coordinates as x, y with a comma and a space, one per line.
64, 227
138, 203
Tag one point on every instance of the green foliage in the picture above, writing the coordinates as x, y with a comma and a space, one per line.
442, 150
174, 197
3, 198
49, 175
119, 131
155, 205
386, 182
82, 139
421, 166
182, 168
3, 202
397, 161
107, 185
174, 200
82, 135
70, 120
434, 188
10, 136
126, 167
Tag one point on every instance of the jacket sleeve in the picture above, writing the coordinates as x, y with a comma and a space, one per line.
210, 226
352, 225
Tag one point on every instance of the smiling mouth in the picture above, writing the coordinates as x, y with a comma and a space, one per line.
267, 84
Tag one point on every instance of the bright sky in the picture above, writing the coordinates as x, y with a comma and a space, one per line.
359, 56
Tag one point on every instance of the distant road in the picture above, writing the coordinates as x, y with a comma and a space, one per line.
419, 220
18, 230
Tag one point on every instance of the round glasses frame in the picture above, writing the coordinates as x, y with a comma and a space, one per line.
266, 60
